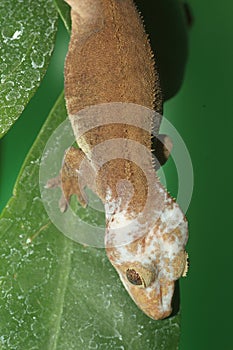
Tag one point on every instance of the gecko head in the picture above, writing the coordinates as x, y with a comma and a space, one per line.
149, 268
150, 290
150, 265
143, 285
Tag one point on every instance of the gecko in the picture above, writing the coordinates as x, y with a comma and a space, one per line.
110, 61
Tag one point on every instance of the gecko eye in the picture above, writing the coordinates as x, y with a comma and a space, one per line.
134, 277
141, 277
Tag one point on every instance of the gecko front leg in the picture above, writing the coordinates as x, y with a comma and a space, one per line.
76, 173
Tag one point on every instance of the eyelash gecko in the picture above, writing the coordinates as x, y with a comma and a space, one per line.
110, 60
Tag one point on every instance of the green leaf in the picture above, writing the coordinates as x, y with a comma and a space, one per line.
56, 293
64, 12
27, 37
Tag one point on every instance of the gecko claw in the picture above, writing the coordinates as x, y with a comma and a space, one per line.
63, 204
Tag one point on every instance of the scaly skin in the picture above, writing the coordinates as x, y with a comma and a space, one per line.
110, 60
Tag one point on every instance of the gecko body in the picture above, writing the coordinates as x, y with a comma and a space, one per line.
110, 61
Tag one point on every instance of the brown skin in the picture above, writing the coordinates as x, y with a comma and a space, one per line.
118, 45
110, 60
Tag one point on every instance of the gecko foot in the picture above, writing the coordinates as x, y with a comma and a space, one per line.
70, 179
162, 146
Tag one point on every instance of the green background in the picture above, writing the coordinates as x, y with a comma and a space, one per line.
202, 112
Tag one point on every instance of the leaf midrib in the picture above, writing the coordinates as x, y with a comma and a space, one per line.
65, 261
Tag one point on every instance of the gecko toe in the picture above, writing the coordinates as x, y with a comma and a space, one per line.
54, 182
